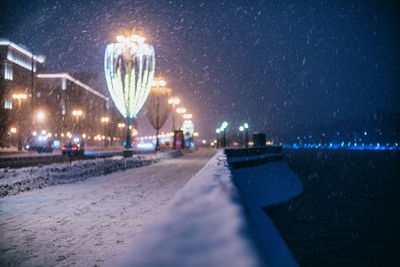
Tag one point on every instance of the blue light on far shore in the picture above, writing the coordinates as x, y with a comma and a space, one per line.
342, 145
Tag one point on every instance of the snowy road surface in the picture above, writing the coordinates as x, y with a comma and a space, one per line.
91, 222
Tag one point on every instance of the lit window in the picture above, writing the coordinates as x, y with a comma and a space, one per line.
7, 104
8, 71
63, 83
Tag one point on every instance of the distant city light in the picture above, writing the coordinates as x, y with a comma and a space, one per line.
342, 145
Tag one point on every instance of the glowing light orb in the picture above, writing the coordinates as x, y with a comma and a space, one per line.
129, 67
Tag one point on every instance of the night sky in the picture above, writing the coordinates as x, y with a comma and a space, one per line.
272, 63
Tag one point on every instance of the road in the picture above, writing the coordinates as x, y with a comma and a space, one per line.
91, 222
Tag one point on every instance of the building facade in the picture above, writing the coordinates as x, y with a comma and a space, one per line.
50, 106
18, 69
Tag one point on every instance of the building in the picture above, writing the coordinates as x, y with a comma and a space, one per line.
49, 106
18, 68
73, 108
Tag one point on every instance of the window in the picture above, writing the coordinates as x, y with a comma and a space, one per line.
7, 104
8, 71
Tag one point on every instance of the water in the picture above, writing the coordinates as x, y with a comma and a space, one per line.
349, 213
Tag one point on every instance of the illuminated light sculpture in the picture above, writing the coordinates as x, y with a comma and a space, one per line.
129, 67
158, 107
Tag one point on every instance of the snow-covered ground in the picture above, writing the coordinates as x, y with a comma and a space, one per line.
14, 181
90, 222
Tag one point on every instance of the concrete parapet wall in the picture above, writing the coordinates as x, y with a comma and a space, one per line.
204, 225
215, 221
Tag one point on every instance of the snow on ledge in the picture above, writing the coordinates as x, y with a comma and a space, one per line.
204, 225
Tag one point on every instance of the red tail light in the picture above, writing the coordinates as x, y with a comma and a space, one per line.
74, 148
63, 148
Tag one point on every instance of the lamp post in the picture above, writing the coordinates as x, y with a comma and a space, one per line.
121, 126
218, 131
246, 127
241, 129
222, 129
104, 121
19, 97
77, 113
13, 130
129, 66
173, 101
180, 111
187, 116
158, 106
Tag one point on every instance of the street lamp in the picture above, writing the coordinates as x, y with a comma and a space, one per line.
40, 116
218, 131
121, 126
187, 116
158, 106
13, 130
104, 121
180, 111
77, 113
19, 97
241, 129
246, 127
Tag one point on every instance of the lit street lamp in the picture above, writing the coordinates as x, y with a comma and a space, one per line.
173, 101
104, 121
19, 97
13, 130
180, 111
246, 127
187, 116
77, 113
222, 129
218, 131
40, 116
121, 126
241, 129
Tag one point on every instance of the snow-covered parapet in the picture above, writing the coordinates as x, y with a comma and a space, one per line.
212, 223
204, 225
